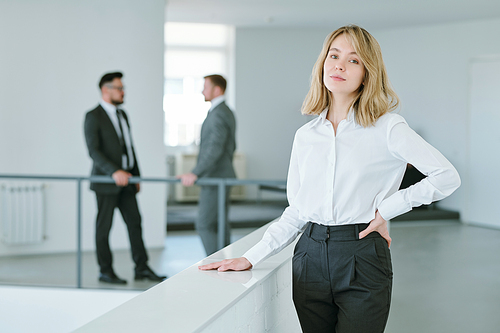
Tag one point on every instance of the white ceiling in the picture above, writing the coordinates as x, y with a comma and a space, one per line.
371, 14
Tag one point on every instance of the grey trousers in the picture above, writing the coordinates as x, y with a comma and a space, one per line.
206, 223
341, 284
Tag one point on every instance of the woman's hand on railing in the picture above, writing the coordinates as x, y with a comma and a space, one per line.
237, 264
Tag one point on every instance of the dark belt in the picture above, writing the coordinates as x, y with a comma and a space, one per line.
344, 232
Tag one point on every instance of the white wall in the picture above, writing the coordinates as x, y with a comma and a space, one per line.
428, 67
430, 70
267, 307
273, 67
52, 54
484, 140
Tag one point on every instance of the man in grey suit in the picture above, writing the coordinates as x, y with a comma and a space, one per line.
215, 160
109, 141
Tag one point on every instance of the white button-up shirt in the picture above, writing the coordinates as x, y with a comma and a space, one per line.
344, 178
127, 138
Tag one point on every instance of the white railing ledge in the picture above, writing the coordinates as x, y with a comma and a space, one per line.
209, 301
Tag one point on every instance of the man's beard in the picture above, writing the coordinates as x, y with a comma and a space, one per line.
116, 102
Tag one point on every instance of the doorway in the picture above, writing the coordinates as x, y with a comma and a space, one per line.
484, 143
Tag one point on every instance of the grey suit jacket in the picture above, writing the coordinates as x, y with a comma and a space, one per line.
104, 148
217, 144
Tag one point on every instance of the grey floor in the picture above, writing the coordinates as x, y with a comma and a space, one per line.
248, 214
446, 274
182, 249
446, 278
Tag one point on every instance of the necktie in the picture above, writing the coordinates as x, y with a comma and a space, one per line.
122, 138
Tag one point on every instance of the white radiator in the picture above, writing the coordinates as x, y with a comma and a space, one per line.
22, 213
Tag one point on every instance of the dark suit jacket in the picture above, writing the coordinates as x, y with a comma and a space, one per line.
104, 148
217, 144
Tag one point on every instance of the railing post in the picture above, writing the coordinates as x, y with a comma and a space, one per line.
79, 234
221, 214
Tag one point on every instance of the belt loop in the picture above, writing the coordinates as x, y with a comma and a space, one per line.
356, 231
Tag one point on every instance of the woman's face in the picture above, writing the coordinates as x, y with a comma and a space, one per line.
343, 71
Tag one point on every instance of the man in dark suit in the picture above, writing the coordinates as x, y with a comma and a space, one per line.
215, 159
109, 141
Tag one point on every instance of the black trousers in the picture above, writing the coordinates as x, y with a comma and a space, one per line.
126, 202
341, 284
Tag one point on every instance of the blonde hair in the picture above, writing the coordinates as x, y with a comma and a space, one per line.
375, 97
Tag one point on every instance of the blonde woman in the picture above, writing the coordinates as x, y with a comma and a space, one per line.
345, 171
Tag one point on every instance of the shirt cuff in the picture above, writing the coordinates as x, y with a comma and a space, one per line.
394, 206
257, 253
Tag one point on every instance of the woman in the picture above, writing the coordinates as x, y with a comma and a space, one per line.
345, 171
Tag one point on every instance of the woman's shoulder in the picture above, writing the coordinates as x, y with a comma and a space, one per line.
389, 119
310, 124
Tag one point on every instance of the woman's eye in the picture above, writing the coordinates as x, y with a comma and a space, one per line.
334, 56
355, 61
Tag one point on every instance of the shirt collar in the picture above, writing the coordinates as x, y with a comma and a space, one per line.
108, 107
350, 116
322, 116
216, 101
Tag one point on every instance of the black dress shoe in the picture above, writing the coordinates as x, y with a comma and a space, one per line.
147, 273
111, 278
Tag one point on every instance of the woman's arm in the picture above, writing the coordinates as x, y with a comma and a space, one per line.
278, 235
442, 178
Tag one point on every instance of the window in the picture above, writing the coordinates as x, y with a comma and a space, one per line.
191, 52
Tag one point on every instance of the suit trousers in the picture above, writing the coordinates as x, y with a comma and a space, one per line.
207, 220
126, 202
341, 284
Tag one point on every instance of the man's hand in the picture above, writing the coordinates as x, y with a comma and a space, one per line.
188, 179
121, 177
379, 225
237, 264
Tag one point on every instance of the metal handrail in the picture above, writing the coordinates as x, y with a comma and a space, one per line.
221, 183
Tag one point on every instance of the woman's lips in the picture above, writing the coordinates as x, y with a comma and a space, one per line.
337, 78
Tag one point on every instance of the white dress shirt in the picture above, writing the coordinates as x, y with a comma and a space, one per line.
216, 101
345, 178
127, 138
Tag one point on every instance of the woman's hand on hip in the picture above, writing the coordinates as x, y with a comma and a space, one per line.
237, 264
379, 225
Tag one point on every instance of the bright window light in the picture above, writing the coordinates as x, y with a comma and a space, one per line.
192, 51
